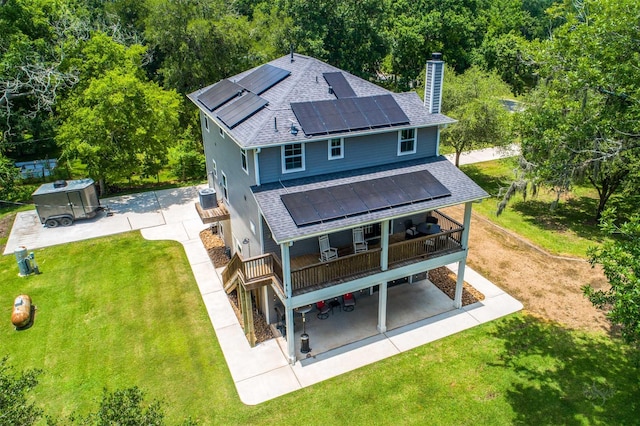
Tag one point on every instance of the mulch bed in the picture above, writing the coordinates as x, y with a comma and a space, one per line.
441, 277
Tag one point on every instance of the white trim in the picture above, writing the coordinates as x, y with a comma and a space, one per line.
206, 123
401, 140
224, 186
330, 148
302, 155
221, 132
256, 165
244, 160
252, 226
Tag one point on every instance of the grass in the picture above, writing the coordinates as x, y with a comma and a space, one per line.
568, 230
121, 311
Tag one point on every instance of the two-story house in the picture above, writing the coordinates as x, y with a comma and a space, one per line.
327, 184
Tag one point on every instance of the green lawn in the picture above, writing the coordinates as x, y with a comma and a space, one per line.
121, 311
568, 230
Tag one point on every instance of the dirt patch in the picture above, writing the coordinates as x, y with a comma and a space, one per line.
548, 286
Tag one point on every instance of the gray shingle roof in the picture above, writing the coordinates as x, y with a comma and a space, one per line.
283, 228
307, 84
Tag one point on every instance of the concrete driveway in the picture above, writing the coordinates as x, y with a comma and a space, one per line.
174, 208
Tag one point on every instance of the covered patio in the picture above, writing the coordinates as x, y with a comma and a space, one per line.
407, 303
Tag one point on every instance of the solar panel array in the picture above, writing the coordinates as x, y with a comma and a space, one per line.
339, 84
341, 201
219, 94
346, 114
263, 79
243, 108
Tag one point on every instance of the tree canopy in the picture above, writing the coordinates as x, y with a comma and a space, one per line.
620, 260
474, 99
580, 125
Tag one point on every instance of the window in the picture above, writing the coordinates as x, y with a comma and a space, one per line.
292, 158
407, 141
206, 123
221, 132
214, 168
243, 159
223, 185
336, 148
252, 226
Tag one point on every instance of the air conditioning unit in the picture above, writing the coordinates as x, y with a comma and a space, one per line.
208, 198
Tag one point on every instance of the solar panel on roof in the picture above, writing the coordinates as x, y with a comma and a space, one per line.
241, 109
263, 78
339, 84
339, 115
219, 94
352, 116
351, 199
308, 118
372, 111
391, 109
330, 116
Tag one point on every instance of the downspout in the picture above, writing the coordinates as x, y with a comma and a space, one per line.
256, 165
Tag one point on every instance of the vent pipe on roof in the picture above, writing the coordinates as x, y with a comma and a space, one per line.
291, 48
275, 124
433, 83
331, 90
294, 130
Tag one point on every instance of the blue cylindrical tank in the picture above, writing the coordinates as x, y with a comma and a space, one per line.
23, 261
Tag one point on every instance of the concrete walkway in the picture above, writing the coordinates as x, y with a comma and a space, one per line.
260, 373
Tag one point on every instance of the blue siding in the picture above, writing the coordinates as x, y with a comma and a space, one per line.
359, 152
241, 205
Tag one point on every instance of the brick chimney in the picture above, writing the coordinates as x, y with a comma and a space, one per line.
433, 83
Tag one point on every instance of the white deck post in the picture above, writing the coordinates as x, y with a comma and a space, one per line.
464, 240
382, 307
384, 244
289, 320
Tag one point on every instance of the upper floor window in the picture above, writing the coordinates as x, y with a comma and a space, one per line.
243, 157
336, 148
407, 141
206, 123
221, 132
224, 186
292, 157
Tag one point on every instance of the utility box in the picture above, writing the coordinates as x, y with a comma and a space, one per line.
61, 202
24, 266
208, 198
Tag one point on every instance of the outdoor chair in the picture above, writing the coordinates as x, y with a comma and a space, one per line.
359, 244
348, 302
326, 251
410, 230
323, 310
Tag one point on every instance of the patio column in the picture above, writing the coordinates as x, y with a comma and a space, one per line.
382, 307
457, 301
291, 337
286, 269
384, 245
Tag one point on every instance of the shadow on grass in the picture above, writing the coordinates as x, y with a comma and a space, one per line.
568, 377
576, 214
489, 182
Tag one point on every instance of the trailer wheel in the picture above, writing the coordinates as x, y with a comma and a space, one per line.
66, 221
51, 223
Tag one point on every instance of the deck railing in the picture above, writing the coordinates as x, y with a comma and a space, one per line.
265, 269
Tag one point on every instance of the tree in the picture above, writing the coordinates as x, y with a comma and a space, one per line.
9, 174
580, 126
14, 408
473, 98
116, 122
620, 259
